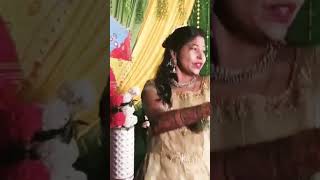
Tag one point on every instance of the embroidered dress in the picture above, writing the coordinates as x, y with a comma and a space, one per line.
184, 153
258, 137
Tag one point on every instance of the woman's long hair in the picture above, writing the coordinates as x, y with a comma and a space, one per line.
165, 74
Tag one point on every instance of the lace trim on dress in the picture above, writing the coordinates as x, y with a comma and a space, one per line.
290, 99
182, 158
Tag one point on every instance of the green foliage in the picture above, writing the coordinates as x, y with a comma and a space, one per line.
130, 14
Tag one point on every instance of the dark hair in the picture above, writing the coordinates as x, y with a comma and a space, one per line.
175, 42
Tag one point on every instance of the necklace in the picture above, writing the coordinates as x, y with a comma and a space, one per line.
232, 77
183, 85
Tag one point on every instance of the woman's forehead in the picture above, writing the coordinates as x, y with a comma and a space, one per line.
198, 41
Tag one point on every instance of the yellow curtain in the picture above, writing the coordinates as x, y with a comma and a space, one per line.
148, 52
59, 41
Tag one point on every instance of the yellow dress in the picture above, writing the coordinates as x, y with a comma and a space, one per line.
255, 118
280, 132
180, 154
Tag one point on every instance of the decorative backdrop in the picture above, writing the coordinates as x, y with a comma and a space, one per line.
149, 23
160, 18
59, 41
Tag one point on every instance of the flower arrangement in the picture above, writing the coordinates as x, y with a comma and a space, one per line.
122, 134
122, 121
20, 120
122, 109
37, 142
58, 147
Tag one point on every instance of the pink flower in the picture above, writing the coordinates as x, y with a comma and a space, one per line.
117, 119
19, 121
25, 170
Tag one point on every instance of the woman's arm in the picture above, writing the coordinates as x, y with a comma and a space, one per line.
170, 120
162, 120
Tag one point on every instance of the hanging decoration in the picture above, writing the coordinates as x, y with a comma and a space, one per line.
119, 41
200, 18
198, 13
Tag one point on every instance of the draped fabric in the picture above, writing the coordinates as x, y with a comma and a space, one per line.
59, 41
130, 14
147, 53
9, 67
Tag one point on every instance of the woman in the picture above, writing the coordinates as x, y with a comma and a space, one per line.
177, 104
265, 94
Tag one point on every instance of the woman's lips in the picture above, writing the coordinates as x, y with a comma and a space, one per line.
198, 65
281, 13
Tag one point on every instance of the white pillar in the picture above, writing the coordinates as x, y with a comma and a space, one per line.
122, 153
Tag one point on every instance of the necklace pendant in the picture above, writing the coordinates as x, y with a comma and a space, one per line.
183, 85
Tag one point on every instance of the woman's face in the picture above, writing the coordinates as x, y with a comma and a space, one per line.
268, 18
191, 57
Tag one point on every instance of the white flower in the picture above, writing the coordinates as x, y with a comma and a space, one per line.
128, 110
79, 94
135, 91
59, 156
146, 124
55, 115
68, 174
127, 97
131, 119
